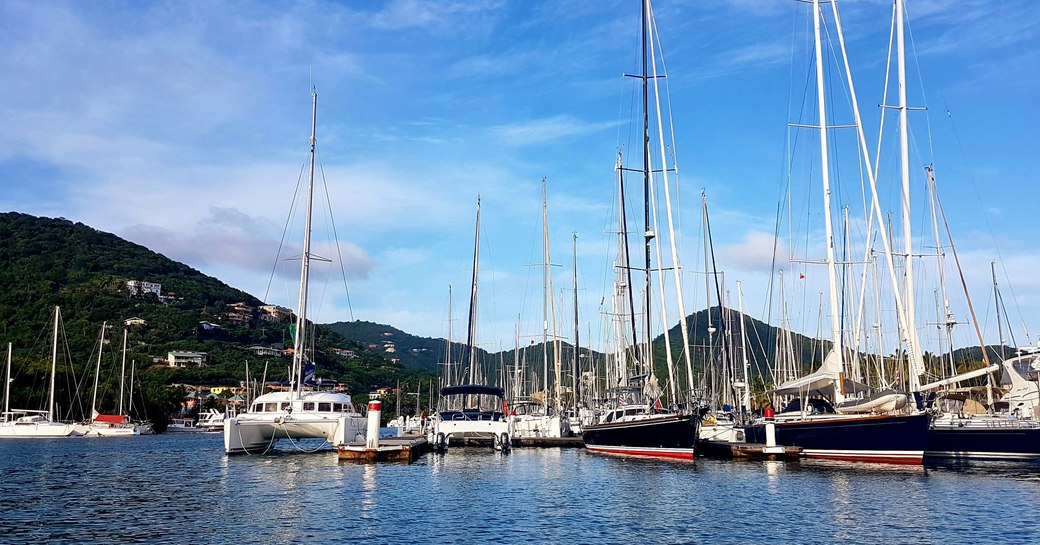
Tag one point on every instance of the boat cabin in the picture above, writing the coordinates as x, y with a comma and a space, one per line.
472, 402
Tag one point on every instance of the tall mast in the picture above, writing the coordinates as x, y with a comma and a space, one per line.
916, 365
54, 364
97, 373
545, 301
648, 230
472, 328
626, 264
745, 398
557, 379
7, 385
122, 374
299, 344
998, 306
577, 353
449, 370
832, 274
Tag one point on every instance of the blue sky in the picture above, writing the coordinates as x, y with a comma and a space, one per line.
184, 126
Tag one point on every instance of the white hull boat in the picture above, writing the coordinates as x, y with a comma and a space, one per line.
299, 413
328, 416
35, 425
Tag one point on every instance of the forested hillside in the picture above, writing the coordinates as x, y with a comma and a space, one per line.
54, 262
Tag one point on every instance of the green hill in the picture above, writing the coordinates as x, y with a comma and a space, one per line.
89, 273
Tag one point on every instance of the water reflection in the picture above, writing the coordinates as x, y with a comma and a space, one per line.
72, 492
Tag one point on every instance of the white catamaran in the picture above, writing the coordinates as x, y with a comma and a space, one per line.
299, 413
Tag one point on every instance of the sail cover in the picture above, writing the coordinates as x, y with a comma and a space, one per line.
821, 381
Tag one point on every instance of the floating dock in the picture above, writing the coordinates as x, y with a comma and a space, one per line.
725, 450
391, 449
549, 442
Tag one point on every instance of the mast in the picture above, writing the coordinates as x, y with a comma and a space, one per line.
472, 328
54, 364
676, 269
122, 374
448, 367
746, 394
557, 379
130, 398
299, 343
545, 302
626, 264
577, 353
97, 373
648, 230
916, 364
832, 274
7, 385
946, 318
996, 306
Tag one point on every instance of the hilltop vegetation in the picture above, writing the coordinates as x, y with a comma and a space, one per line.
49, 262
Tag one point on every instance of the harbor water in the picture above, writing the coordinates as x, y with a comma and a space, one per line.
182, 488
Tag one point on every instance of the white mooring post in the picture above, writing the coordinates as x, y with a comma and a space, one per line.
372, 436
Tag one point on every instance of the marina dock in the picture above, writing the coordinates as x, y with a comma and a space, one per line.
549, 442
391, 449
726, 450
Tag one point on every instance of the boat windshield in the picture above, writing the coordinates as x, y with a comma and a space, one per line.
1024, 367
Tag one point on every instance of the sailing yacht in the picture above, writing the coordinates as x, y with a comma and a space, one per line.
532, 418
109, 425
637, 424
472, 409
300, 412
19, 423
814, 419
961, 429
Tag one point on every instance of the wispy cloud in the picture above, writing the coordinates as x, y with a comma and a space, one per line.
404, 14
545, 130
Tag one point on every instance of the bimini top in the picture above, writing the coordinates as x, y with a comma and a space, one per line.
464, 389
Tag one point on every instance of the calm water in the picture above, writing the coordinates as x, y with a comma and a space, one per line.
181, 488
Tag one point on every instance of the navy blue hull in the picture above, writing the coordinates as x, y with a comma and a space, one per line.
984, 443
665, 436
894, 439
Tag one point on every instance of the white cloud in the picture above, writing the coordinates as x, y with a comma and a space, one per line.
545, 130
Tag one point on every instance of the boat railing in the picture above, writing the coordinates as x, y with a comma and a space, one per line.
470, 415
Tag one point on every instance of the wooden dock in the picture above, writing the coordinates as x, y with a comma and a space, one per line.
725, 450
391, 449
549, 442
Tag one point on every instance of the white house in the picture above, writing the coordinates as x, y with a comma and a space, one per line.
140, 287
177, 358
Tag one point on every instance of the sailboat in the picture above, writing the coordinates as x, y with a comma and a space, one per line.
300, 412
19, 423
531, 418
637, 424
814, 419
471, 409
109, 425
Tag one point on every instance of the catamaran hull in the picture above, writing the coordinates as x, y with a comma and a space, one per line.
671, 437
983, 438
888, 439
245, 436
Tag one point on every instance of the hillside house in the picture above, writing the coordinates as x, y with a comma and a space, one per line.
239, 313
140, 287
178, 358
274, 313
266, 351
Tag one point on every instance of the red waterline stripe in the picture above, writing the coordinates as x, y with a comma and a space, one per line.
670, 455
